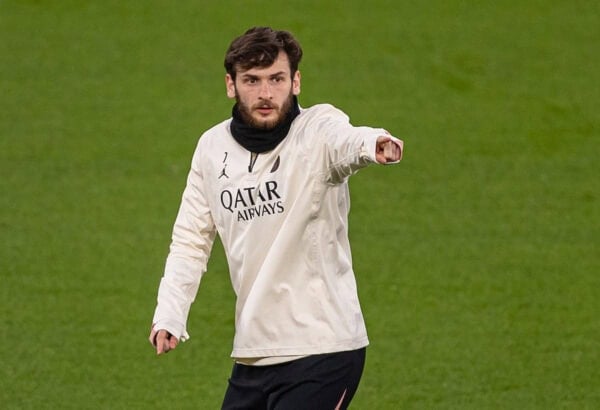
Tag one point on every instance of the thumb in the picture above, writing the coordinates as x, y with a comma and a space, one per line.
382, 140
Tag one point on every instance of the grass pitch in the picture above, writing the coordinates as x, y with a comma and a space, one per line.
477, 257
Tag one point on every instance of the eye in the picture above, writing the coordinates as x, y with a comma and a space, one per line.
249, 80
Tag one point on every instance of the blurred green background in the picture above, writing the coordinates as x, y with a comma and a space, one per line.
477, 258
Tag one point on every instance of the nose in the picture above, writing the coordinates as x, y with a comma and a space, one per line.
265, 91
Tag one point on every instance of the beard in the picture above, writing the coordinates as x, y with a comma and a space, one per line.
263, 124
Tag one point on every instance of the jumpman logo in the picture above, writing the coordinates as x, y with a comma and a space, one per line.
223, 172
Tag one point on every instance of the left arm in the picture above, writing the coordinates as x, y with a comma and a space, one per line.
347, 148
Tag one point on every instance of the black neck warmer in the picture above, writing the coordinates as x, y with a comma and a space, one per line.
258, 140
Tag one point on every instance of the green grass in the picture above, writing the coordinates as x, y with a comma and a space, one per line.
477, 258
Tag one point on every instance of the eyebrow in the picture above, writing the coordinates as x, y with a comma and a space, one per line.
255, 77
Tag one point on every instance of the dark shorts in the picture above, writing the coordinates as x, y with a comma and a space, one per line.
325, 381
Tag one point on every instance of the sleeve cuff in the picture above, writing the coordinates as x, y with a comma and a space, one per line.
174, 328
370, 146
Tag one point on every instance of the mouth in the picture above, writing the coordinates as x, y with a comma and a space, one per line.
264, 109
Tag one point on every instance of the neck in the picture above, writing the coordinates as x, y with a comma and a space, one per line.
260, 140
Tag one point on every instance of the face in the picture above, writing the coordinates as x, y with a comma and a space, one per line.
264, 95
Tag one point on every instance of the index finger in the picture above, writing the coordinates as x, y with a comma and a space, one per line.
162, 342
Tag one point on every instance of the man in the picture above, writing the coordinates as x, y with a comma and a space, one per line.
272, 181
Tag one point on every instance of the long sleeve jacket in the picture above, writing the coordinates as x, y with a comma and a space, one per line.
282, 217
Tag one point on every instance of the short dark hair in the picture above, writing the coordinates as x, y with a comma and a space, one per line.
259, 47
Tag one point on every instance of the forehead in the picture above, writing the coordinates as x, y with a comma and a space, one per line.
280, 65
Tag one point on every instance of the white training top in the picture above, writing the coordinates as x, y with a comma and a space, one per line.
282, 219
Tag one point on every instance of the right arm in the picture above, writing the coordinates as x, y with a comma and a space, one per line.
193, 236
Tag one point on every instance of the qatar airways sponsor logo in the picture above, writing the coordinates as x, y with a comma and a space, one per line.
253, 202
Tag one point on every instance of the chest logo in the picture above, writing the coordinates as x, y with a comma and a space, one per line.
252, 202
276, 164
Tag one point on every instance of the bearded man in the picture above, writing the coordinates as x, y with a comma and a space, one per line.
272, 182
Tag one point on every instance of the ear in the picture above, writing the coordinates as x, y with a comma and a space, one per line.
296, 83
230, 86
